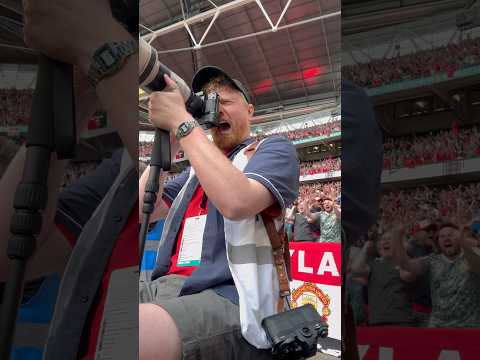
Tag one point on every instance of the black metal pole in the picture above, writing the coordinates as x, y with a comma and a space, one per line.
30, 199
52, 117
160, 160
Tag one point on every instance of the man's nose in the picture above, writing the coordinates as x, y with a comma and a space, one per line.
221, 110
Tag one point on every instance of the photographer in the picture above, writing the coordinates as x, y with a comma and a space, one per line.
211, 306
97, 209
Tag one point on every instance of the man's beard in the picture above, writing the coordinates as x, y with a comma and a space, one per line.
227, 142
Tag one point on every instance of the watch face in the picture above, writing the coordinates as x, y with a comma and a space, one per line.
107, 58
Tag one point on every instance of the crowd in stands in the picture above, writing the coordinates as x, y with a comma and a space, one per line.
437, 205
331, 189
15, 106
316, 215
325, 129
443, 146
435, 226
320, 167
145, 148
444, 59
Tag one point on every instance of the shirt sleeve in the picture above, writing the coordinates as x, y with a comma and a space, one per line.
173, 187
275, 165
78, 201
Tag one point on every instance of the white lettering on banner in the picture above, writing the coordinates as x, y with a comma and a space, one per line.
385, 353
301, 263
449, 355
328, 265
362, 350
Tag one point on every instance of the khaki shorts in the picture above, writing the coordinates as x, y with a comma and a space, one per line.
209, 324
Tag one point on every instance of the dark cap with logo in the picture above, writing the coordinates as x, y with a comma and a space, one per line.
205, 74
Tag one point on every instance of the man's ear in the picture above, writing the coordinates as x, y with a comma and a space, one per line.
250, 109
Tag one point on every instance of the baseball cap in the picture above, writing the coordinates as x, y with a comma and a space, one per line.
206, 73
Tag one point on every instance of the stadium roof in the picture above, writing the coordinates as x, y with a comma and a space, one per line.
299, 63
364, 20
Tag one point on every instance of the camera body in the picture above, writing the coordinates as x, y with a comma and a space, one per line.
294, 333
204, 108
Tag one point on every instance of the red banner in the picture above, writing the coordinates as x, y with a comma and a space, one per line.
319, 263
400, 343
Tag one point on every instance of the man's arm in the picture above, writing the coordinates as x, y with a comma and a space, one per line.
471, 250
235, 195
312, 218
82, 28
359, 263
338, 211
291, 215
415, 267
74, 42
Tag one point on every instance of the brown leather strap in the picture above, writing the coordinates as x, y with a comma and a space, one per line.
281, 253
277, 239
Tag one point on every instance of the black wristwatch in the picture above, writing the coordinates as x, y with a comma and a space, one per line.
109, 58
185, 128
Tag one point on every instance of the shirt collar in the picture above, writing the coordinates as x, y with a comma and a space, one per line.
240, 146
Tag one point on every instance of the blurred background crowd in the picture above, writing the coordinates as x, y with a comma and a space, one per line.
435, 224
443, 59
15, 106
417, 150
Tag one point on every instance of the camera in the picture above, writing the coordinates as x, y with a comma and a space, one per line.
294, 333
203, 107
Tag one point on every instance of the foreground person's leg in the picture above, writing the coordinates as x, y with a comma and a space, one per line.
158, 334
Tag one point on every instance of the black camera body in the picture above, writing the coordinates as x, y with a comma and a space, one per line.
294, 333
204, 108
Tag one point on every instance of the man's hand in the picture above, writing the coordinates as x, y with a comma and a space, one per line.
70, 30
369, 246
468, 240
167, 108
471, 247
337, 210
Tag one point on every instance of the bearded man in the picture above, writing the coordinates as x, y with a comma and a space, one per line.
328, 221
199, 304
453, 274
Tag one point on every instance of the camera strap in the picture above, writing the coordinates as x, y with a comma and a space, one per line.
280, 249
281, 258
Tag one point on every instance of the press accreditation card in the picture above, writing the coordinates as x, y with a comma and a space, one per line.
192, 238
118, 337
